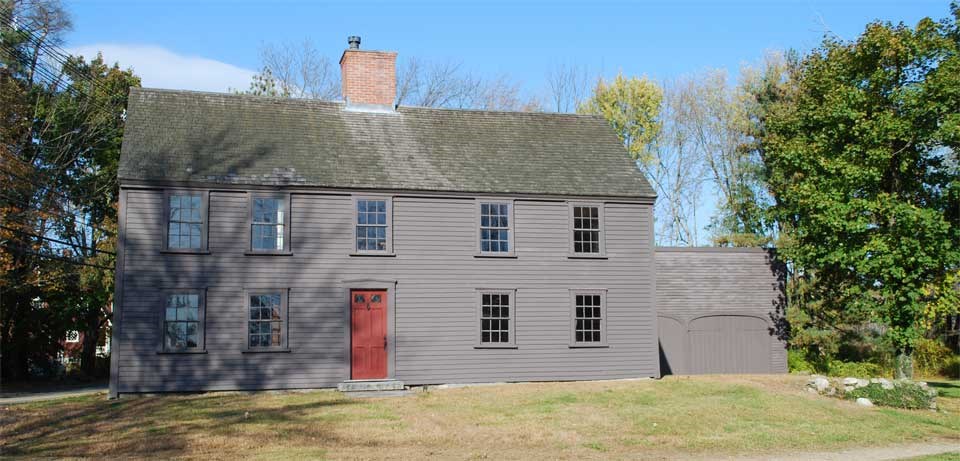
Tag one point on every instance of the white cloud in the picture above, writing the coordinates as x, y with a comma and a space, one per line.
159, 67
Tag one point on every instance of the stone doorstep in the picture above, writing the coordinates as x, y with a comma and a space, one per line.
376, 394
370, 385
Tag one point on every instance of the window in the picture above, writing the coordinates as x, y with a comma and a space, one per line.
269, 224
73, 336
496, 318
183, 322
496, 236
185, 221
373, 225
587, 230
589, 318
266, 319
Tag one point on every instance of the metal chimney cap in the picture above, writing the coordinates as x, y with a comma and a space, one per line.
354, 42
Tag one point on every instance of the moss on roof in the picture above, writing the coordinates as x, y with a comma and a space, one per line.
196, 137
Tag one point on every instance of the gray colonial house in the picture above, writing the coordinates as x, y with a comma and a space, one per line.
278, 243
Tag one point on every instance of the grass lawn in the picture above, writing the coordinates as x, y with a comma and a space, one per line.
670, 418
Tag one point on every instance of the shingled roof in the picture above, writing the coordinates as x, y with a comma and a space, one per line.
212, 138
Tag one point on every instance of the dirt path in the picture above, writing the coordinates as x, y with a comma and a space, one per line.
893, 452
24, 397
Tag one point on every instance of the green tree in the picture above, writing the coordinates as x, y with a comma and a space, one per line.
60, 145
856, 153
84, 130
632, 107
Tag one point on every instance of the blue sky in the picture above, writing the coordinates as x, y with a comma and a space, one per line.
213, 44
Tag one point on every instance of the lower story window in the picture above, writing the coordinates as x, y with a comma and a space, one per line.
181, 322
265, 322
496, 318
588, 317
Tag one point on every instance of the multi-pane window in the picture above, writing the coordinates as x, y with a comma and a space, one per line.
586, 229
265, 320
182, 322
495, 228
268, 224
372, 225
588, 312
496, 318
185, 221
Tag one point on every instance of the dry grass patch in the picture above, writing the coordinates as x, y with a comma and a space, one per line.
671, 418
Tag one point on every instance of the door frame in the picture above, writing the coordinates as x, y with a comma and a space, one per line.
369, 284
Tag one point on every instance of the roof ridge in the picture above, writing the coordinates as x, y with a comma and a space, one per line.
327, 102
238, 96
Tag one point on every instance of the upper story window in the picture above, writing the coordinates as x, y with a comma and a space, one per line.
587, 229
589, 318
186, 223
269, 224
266, 319
183, 321
73, 336
496, 228
497, 316
373, 221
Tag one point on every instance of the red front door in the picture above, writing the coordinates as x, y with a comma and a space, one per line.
368, 333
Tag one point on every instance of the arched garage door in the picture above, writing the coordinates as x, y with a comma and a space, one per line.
729, 344
715, 344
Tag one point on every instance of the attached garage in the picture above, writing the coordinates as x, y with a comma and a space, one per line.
720, 310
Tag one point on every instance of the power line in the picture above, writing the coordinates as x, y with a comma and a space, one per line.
67, 260
54, 52
46, 188
57, 213
58, 80
62, 242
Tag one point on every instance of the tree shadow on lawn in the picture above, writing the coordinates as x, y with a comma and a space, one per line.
948, 389
151, 426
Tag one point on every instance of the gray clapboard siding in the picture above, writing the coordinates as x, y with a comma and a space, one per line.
435, 307
694, 283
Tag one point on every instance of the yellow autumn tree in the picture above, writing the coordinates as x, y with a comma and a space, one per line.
631, 105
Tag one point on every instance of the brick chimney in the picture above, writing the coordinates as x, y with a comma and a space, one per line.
369, 78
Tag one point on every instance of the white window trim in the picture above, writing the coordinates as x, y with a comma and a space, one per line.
353, 228
570, 231
204, 215
285, 197
603, 317
511, 230
512, 344
75, 334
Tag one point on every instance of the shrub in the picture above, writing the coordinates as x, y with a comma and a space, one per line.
951, 369
797, 362
905, 394
931, 357
856, 369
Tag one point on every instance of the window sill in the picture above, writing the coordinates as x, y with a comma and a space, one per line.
493, 346
185, 252
268, 253
586, 256
495, 255
589, 346
382, 255
202, 351
266, 351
